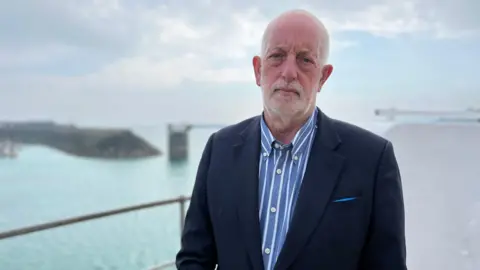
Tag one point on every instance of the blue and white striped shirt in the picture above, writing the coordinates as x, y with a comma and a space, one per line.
281, 171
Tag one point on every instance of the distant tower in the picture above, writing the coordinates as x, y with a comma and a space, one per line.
178, 142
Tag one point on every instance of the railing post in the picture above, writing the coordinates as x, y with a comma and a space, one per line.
182, 214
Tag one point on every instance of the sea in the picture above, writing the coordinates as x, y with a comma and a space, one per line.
44, 185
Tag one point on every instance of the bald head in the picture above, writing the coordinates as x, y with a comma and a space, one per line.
299, 19
292, 67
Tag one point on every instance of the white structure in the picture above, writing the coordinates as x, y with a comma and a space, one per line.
440, 166
470, 114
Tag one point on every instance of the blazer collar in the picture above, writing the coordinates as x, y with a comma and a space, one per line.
326, 134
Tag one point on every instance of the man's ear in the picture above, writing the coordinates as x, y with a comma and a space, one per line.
257, 67
326, 72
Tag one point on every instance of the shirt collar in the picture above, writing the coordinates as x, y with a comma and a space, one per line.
299, 142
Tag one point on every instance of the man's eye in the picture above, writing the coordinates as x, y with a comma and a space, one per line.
307, 60
276, 55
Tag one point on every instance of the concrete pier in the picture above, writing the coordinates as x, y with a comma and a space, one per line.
178, 141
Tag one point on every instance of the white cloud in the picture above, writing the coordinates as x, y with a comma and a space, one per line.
115, 45
145, 73
161, 47
390, 18
386, 20
24, 57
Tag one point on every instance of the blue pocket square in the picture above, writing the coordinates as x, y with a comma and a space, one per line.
346, 199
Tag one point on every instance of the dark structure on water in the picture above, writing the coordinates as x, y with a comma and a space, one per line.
178, 142
178, 139
104, 143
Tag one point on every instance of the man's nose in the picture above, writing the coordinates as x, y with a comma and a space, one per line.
290, 69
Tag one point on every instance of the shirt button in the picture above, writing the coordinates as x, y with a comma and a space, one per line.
273, 209
265, 154
277, 145
295, 158
267, 251
279, 171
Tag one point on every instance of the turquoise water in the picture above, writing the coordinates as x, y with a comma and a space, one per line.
44, 185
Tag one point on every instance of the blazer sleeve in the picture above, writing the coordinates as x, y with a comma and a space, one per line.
198, 251
385, 248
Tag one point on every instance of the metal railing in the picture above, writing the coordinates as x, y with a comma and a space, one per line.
163, 266
64, 222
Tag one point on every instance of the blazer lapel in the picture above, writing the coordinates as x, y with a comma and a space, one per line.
323, 169
247, 153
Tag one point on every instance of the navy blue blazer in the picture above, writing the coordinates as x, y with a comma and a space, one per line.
349, 214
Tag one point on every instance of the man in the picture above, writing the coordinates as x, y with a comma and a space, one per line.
293, 188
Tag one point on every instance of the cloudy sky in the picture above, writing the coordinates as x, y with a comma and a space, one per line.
146, 61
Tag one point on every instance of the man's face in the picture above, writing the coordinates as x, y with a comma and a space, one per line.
291, 74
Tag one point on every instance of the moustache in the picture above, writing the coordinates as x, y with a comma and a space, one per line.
293, 87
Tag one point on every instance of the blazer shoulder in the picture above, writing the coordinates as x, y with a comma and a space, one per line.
362, 147
349, 132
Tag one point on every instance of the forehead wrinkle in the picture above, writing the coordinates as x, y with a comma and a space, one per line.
295, 49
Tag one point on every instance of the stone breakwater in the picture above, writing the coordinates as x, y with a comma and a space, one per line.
101, 143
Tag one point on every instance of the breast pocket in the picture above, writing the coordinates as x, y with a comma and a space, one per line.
345, 212
343, 223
